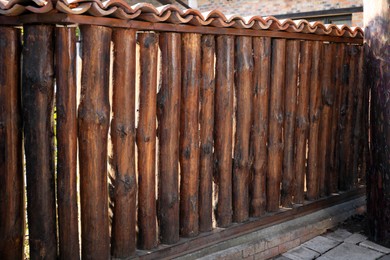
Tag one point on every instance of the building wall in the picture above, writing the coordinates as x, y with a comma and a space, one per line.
274, 7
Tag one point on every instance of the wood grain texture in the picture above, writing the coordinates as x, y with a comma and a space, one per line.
11, 156
66, 104
290, 108
312, 181
146, 141
93, 123
358, 142
123, 235
207, 90
168, 134
224, 91
243, 90
189, 135
276, 121
334, 159
302, 120
259, 135
327, 101
37, 100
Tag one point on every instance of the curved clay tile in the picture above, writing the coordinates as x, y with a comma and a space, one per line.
173, 14
13, 11
80, 9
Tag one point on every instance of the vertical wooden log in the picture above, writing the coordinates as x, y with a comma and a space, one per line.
207, 89
243, 78
276, 119
67, 143
302, 120
354, 91
168, 135
333, 160
312, 180
146, 141
224, 91
11, 157
342, 153
358, 143
93, 121
327, 100
37, 99
259, 136
189, 135
348, 153
377, 78
123, 140
288, 178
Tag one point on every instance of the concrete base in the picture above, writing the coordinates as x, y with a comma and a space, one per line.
272, 241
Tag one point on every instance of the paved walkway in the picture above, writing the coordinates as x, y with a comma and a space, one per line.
338, 245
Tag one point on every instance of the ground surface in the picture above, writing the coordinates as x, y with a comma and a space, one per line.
348, 241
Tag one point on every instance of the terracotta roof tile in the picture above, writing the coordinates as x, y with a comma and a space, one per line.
173, 14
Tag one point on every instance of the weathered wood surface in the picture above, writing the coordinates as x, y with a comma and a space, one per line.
302, 120
224, 91
146, 141
327, 101
93, 123
37, 100
11, 157
334, 158
312, 178
259, 135
276, 120
123, 140
377, 73
290, 108
189, 135
66, 104
206, 166
358, 139
243, 90
168, 134
346, 121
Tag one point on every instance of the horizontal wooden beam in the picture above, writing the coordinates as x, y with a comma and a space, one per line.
188, 245
64, 19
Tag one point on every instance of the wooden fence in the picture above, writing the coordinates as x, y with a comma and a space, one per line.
194, 127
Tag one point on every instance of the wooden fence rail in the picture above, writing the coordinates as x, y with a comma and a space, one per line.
198, 131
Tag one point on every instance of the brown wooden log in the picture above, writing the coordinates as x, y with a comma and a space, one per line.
333, 160
207, 89
224, 91
66, 104
312, 180
168, 135
189, 135
358, 128
377, 78
302, 120
93, 122
37, 99
146, 141
243, 90
290, 104
123, 140
327, 101
276, 119
11, 157
356, 118
342, 153
347, 140
259, 135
